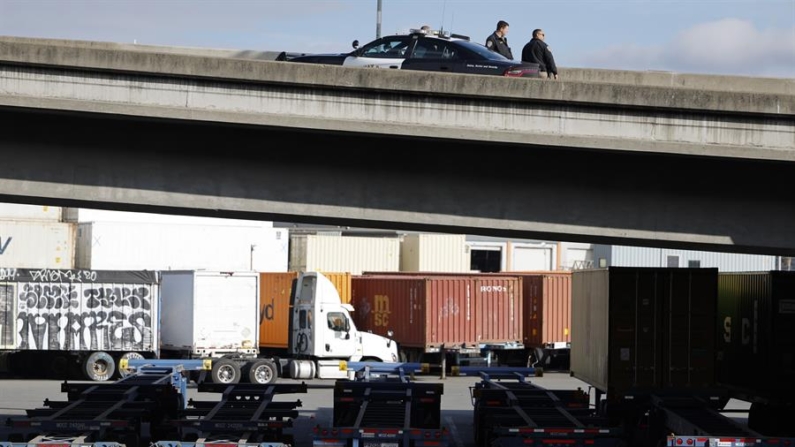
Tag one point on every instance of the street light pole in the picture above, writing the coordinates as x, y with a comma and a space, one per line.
378, 22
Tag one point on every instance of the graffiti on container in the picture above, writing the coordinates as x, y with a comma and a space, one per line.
84, 317
8, 274
450, 308
381, 311
64, 275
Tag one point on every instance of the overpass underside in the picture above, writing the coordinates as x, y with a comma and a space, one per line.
402, 182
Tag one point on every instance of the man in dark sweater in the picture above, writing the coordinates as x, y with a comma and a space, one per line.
538, 52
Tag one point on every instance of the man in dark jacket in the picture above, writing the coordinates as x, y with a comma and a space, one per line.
497, 41
538, 52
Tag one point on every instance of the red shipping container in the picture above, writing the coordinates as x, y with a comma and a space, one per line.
547, 308
426, 312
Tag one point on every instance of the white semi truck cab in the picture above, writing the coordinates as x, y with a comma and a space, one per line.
322, 332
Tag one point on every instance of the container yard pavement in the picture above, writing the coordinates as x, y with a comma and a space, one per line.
17, 395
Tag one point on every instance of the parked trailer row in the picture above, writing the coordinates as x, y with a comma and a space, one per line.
67, 321
645, 339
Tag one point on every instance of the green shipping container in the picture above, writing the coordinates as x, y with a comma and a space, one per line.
756, 335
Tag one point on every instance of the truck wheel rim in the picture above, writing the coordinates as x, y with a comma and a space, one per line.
263, 374
226, 374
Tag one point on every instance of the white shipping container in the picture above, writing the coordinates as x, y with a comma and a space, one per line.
434, 253
33, 244
153, 246
210, 313
353, 254
16, 211
86, 215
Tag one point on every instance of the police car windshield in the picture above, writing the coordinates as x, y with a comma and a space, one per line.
481, 50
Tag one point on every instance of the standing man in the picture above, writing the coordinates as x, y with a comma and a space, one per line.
497, 41
538, 52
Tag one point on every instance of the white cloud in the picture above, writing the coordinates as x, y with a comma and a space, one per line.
728, 46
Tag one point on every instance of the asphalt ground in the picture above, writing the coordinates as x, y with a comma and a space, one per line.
17, 395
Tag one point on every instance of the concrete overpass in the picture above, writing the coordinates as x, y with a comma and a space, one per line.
643, 158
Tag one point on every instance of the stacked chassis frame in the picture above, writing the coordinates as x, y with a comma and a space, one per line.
384, 411
511, 412
148, 408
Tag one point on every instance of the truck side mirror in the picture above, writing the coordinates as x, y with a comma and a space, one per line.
355, 44
389, 333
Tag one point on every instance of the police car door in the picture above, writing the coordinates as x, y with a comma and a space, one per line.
434, 55
387, 52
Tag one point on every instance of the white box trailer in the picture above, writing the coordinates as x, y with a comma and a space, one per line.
209, 313
52, 319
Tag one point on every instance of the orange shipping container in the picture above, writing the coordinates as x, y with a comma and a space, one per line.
428, 312
547, 307
274, 289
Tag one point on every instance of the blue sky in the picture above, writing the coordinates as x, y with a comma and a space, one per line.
741, 37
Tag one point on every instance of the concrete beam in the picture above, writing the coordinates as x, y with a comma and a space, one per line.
473, 188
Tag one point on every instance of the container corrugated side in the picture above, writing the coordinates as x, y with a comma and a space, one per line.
499, 308
275, 288
434, 253
430, 311
37, 245
24, 212
79, 310
346, 253
589, 327
756, 330
547, 308
398, 304
274, 316
156, 246
660, 328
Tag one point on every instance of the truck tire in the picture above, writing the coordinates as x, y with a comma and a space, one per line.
262, 372
225, 371
127, 355
99, 366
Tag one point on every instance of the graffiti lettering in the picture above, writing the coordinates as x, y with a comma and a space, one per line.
8, 274
450, 308
84, 316
64, 275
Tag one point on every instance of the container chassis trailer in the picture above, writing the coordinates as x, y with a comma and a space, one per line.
149, 408
383, 407
509, 411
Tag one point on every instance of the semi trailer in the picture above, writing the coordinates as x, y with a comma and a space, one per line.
58, 322
215, 315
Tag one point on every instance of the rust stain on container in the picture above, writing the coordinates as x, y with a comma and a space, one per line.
428, 311
274, 318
